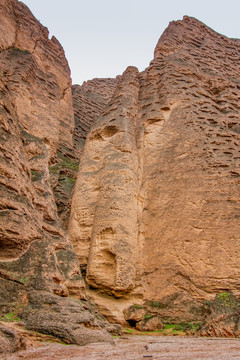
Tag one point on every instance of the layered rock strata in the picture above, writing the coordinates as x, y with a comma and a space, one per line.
155, 214
39, 269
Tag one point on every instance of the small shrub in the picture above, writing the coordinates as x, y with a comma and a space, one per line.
10, 317
207, 302
223, 296
136, 306
147, 316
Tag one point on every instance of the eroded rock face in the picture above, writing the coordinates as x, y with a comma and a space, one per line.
37, 121
38, 170
191, 167
155, 213
111, 153
89, 101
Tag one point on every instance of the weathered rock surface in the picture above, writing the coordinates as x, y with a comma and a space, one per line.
105, 206
69, 319
89, 101
37, 173
191, 167
137, 316
223, 319
134, 314
150, 324
10, 341
155, 213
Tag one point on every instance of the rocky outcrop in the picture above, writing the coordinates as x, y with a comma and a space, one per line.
155, 213
223, 316
39, 269
151, 323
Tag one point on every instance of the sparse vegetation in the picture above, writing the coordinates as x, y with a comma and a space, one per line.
224, 296
69, 164
18, 51
36, 175
225, 300
207, 302
24, 280
169, 329
54, 169
67, 183
183, 326
129, 331
147, 316
65, 162
10, 317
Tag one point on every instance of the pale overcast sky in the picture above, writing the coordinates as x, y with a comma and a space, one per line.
102, 37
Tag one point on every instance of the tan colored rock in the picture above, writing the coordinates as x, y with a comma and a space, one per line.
156, 204
104, 222
38, 76
153, 323
37, 121
36, 54
110, 307
89, 101
191, 164
134, 313
155, 213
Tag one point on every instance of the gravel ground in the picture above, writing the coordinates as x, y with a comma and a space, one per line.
139, 347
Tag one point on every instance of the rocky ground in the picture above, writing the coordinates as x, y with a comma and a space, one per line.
138, 347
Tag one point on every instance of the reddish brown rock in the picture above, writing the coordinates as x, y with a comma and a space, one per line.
177, 308
38, 266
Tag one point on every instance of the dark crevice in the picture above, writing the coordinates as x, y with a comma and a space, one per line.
6, 277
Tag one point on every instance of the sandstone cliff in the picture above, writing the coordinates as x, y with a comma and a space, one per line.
155, 213
38, 266
154, 225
